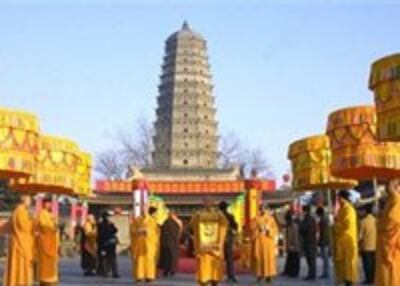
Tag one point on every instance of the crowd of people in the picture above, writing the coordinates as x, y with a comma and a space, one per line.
214, 233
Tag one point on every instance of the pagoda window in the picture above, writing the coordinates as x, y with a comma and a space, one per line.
185, 162
186, 130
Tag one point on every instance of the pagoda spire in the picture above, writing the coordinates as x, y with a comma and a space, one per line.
185, 25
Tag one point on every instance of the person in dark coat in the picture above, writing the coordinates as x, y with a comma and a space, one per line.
323, 241
171, 232
308, 233
229, 242
292, 265
107, 247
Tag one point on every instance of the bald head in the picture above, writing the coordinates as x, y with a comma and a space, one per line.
393, 186
91, 218
208, 202
26, 200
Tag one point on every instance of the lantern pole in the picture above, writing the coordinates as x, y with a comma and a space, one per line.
331, 233
376, 195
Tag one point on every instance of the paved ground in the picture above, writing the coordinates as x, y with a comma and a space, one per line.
71, 276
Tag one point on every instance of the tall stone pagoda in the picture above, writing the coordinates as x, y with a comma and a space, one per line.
185, 156
186, 126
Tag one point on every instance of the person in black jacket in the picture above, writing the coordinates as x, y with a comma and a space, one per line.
229, 242
292, 265
323, 241
171, 232
308, 233
107, 247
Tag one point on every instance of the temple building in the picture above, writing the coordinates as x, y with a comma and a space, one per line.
185, 157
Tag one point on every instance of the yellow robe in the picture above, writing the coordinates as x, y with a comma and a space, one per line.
245, 253
264, 234
19, 264
47, 247
209, 229
90, 231
144, 247
388, 250
346, 244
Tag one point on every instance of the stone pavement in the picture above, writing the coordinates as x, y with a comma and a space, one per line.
71, 276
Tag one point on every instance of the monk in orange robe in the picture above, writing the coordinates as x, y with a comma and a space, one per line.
388, 248
264, 235
47, 245
209, 227
19, 264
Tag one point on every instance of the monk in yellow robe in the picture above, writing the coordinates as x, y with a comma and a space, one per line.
209, 227
19, 264
47, 245
264, 236
89, 246
346, 242
144, 232
388, 248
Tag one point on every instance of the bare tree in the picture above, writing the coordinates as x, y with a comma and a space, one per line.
137, 147
231, 151
257, 162
133, 148
249, 160
110, 164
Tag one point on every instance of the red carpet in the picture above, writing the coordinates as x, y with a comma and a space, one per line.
188, 265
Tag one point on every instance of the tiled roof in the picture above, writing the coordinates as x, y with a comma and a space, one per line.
185, 187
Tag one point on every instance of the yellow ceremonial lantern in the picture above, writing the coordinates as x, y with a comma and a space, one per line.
19, 140
162, 211
237, 209
83, 175
356, 152
385, 83
311, 160
57, 164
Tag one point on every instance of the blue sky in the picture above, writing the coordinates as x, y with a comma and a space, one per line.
88, 68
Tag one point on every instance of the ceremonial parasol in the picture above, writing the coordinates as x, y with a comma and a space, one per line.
19, 140
385, 83
357, 154
83, 175
311, 159
57, 163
